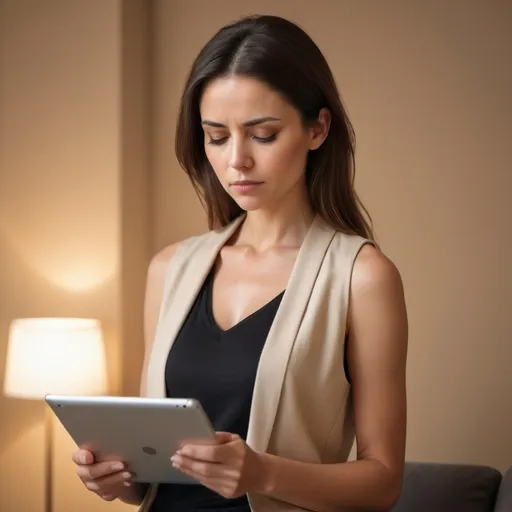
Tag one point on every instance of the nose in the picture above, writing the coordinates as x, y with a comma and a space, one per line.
240, 158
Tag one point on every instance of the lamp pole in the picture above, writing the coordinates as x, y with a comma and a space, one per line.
48, 434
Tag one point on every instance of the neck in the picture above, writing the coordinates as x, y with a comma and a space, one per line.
286, 225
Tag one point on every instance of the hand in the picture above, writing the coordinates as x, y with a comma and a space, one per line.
107, 479
229, 468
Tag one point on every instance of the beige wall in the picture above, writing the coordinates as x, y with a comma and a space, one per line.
428, 86
89, 187
73, 222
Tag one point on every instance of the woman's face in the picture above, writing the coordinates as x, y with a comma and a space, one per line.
256, 142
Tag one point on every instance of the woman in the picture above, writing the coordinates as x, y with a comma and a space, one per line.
284, 320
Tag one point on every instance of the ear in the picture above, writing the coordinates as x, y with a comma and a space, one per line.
320, 129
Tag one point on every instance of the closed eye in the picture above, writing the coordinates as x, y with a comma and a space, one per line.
222, 140
217, 142
264, 140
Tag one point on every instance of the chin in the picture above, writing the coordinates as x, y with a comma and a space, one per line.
249, 204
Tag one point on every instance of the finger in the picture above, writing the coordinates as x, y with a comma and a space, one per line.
219, 485
82, 457
107, 485
209, 481
108, 497
98, 470
206, 469
200, 467
208, 453
225, 437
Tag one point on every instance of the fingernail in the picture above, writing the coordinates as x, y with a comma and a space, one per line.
127, 484
126, 475
83, 459
117, 466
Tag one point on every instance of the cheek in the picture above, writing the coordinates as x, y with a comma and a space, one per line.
289, 159
216, 159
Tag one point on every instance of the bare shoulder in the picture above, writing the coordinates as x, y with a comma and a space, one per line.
374, 272
153, 298
155, 288
159, 263
377, 293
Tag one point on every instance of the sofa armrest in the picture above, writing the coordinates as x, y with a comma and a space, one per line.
504, 502
440, 487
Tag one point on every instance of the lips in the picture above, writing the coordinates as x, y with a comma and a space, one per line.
245, 187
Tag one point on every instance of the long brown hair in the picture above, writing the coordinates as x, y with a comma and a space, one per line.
281, 54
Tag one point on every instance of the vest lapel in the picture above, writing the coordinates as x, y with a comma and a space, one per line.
190, 282
281, 338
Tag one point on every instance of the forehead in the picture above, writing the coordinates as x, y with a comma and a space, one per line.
242, 98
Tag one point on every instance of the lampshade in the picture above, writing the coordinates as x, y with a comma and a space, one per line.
55, 355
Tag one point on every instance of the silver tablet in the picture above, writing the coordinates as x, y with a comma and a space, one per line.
141, 432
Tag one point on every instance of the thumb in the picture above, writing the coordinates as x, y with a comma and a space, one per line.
83, 456
225, 437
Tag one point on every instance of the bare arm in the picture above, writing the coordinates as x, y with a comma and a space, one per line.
153, 298
377, 352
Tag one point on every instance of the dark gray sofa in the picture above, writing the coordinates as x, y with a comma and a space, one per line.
439, 487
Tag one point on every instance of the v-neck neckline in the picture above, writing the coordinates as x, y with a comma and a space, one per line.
243, 321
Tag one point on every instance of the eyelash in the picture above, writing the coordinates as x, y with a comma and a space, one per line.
262, 140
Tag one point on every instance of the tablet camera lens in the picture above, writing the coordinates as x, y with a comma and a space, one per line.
149, 450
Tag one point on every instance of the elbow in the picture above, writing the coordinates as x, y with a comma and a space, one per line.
390, 495
390, 501
389, 491
382, 503
385, 494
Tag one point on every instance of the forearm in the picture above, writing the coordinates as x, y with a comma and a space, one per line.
357, 485
134, 494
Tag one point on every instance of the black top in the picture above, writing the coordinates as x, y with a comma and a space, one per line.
218, 368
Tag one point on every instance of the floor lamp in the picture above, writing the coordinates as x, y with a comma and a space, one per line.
58, 356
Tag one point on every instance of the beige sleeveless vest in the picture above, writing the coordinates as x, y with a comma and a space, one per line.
301, 402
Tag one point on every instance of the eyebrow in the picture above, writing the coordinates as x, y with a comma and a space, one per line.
252, 122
